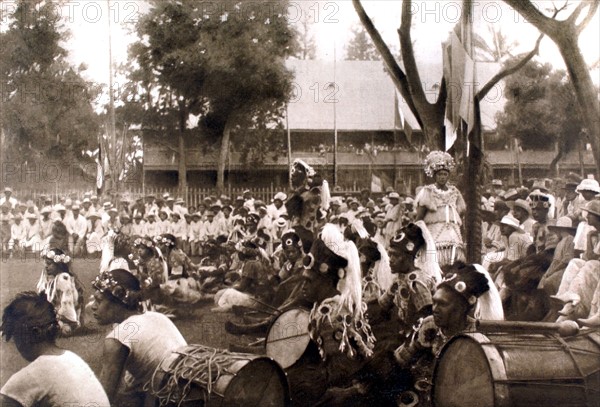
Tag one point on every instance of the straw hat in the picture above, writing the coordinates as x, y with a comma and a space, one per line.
523, 204
593, 207
564, 223
512, 222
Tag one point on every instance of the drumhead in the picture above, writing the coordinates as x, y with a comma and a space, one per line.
288, 337
261, 382
462, 376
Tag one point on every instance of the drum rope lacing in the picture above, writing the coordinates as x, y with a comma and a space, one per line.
198, 364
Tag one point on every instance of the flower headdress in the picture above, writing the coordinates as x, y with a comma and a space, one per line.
166, 240
108, 283
436, 161
140, 241
56, 257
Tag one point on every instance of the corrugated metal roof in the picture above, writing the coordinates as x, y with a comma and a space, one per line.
365, 95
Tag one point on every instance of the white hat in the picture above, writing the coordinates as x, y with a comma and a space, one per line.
46, 209
588, 184
165, 195
31, 215
512, 222
394, 195
497, 182
281, 196
59, 207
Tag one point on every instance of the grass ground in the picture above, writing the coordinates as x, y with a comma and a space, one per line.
201, 326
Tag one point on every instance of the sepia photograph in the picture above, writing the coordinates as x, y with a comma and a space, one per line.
300, 203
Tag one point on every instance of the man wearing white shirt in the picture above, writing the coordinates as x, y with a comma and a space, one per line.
196, 233
32, 239
152, 228
212, 227
179, 229
12, 201
46, 223
77, 226
17, 233
138, 226
276, 209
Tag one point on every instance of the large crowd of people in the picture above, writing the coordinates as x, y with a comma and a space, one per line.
384, 280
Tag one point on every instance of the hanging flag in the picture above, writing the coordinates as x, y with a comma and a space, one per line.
376, 184
99, 170
400, 120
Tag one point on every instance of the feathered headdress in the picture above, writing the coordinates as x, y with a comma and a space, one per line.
475, 285
346, 309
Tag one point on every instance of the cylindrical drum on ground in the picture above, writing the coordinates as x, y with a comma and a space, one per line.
514, 370
288, 337
205, 376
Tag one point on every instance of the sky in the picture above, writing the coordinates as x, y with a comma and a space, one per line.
332, 21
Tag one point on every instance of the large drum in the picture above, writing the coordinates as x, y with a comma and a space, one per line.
288, 337
198, 375
508, 369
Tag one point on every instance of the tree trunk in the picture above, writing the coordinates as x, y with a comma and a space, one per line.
585, 91
181, 165
223, 157
434, 136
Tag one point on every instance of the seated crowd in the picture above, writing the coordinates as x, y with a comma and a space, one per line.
383, 281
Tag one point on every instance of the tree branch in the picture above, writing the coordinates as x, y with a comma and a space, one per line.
509, 71
398, 76
408, 57
527, 9
590, 14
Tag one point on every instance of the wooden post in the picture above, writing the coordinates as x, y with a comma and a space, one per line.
518, 156
289, 147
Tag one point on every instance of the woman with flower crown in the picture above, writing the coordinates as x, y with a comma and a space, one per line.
63, 289
440, 206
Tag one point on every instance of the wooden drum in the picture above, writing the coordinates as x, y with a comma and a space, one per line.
198, 375
288, 337
518, 369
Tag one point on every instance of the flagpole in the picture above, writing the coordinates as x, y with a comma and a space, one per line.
335, 134
111, 109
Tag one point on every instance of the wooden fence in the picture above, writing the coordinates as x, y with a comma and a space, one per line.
192, 195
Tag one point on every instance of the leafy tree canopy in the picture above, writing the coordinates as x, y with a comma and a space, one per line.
541, 108
46, 104
361, 47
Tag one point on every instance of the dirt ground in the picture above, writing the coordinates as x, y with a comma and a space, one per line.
200, 326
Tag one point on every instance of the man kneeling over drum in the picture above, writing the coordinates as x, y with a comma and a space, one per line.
465, 291
138, 341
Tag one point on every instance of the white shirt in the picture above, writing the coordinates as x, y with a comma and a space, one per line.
78, 226
18, 232
56, 380
12, 201
150, 337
